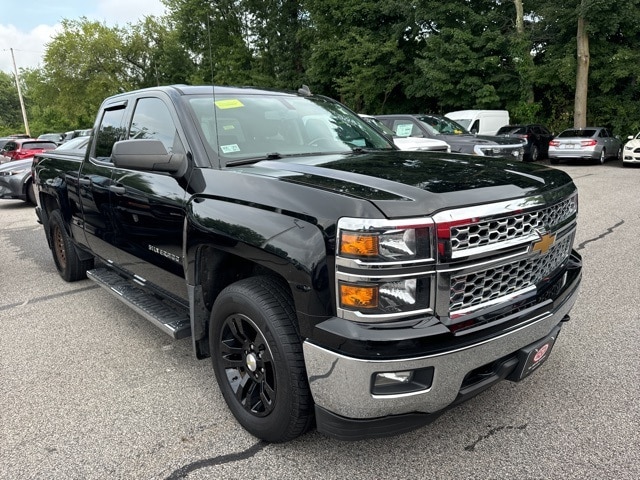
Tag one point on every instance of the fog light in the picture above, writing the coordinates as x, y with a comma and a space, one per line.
402, 382
391, 378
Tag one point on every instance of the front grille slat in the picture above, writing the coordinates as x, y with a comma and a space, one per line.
482, 286
500, 230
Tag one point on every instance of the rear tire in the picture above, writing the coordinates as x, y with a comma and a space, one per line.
535, 153
258, 361
603, 157
70, 267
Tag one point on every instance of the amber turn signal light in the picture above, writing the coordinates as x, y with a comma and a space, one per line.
357, 296
360, 245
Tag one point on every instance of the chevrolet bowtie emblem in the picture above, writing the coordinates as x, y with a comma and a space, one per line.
544, 244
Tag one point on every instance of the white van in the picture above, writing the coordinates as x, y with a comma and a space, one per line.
482, 122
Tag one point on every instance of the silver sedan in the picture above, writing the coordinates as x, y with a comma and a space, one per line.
591, 143
15, 180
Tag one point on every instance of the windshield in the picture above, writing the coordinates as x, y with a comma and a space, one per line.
442, 125
577, 133
249, 126
512, 130
380, 126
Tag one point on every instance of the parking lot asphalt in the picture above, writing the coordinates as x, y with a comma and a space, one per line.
91, 390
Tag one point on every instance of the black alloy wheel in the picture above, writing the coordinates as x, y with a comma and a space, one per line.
258, 361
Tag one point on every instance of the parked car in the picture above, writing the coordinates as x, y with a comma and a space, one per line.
408, 143
15, 181
15, 177
459, 139
8, 138
631, 152
52, 137
23, 148
590, 143
537, 138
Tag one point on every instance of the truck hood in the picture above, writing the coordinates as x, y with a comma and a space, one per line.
402, 184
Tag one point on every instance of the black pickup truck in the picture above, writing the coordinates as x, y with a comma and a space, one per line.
331, 277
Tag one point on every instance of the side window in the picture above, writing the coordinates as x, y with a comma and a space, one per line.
152, 120
603, 133
404, 128
109, 132
475, 128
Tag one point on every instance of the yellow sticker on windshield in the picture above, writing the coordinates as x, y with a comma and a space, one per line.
232, 103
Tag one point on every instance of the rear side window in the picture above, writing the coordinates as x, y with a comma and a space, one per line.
109, 132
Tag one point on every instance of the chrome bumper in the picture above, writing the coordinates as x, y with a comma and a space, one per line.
342, 385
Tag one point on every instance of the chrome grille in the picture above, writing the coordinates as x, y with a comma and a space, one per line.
501, 151
508, 228
483, 286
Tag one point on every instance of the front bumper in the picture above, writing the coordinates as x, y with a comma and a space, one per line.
12, 187
342, 386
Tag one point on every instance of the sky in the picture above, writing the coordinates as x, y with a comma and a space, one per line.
26, 26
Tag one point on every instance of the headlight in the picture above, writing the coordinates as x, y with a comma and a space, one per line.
393, 244
7, 173
384, 268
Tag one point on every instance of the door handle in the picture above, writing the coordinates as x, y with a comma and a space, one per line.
84, 181
117, 189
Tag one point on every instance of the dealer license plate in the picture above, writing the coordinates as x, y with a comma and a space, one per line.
531, 357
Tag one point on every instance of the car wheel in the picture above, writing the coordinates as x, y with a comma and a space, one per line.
603, 156
619, 155
258, 361
535, 153
68, 263
31, 194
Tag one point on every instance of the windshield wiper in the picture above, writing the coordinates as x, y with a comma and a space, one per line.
249, 161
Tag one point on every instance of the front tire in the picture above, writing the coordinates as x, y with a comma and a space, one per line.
70, 267
31, 195
258, 361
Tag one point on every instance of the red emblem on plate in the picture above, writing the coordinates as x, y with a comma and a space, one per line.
541, 352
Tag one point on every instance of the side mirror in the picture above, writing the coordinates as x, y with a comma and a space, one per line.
146, 154
630, 137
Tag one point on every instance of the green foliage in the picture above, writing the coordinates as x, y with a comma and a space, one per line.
10, 114
377, 56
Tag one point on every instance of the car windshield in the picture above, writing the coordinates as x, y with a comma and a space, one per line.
38, 145
246, 126
577, 133
442, 125
380, 126
512, 130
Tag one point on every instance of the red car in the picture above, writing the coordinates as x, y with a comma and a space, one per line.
21, 148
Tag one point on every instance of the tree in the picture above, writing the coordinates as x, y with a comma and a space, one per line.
362, 52
10, 114
465, 55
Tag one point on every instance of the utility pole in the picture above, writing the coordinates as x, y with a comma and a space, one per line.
24, 111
